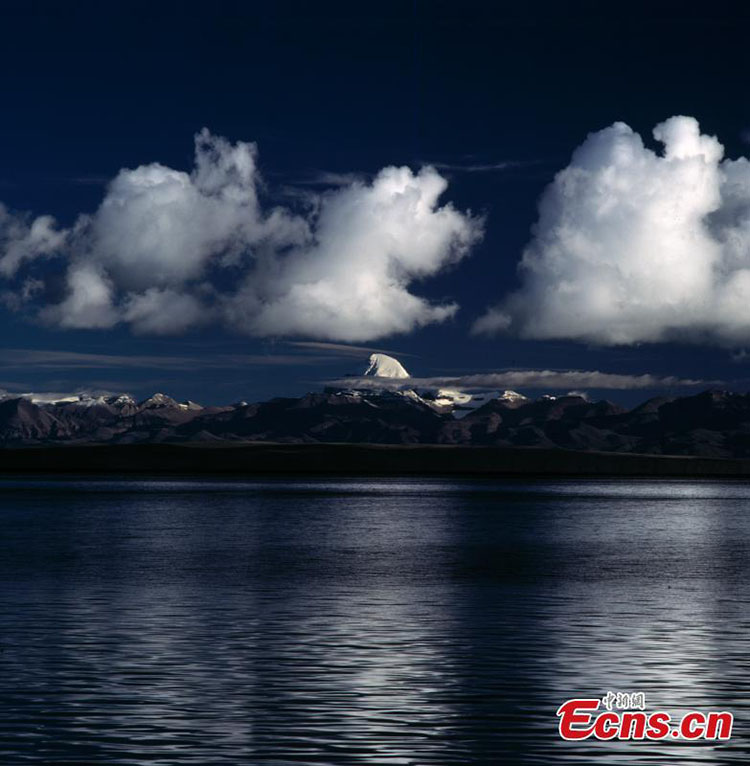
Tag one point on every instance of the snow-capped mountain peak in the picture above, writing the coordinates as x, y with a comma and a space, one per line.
512, 396
384, 366
121, 401
461, 403
158, 400
444, 400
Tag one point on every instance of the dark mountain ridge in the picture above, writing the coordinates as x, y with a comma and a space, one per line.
709, 424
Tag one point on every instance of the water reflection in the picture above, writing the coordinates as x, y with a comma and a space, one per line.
421, 622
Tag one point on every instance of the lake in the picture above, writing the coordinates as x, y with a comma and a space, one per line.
373, 621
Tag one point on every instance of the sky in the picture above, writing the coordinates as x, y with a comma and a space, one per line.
244, 200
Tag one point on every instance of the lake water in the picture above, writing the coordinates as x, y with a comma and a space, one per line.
399, 621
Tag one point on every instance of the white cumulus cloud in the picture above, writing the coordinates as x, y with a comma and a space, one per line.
88, 303
636, 245
168, 250
161, 227
23, 238
351, 283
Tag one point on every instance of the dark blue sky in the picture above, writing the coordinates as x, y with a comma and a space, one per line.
89, 89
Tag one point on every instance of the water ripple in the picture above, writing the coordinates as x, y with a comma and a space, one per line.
379, 622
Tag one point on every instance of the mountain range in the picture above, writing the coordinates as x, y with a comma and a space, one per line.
710, 424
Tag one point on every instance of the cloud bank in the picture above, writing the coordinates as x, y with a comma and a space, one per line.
634, 245
168, 250
542, 379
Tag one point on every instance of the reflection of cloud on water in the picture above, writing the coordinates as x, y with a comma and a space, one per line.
364, 629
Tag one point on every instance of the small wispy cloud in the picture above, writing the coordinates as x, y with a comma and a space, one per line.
327, 178
48, 359
90, 180
488, 167
342, 349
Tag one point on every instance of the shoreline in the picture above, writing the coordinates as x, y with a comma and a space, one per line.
355, 460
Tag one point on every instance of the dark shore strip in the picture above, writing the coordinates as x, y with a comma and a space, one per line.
354, 459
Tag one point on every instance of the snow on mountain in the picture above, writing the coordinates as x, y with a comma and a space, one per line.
461, 403
157, 400
50, 398
386, 385
188, 405
118, 401
511, 396
42, 398
444, 400
384, 366
121, 401
451, 397
480, 399
76, 399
